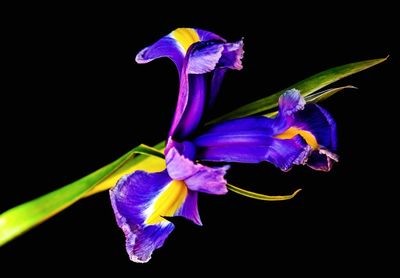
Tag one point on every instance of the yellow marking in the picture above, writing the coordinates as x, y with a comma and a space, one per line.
149, 164
185, 37
293, 131
168, 202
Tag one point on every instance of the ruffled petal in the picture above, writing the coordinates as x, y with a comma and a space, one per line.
140, 200
322, 160
208, 180
290, 102
204, 57
232, 56
197, 177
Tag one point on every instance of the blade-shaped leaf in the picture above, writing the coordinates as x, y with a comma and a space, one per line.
149, 163
306, 87
24, 217
259, 196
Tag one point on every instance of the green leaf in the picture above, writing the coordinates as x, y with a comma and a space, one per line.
306, 87
21, 218
318, 96
259, 196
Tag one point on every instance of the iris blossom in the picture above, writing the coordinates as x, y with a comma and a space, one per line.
141, 200
300, 134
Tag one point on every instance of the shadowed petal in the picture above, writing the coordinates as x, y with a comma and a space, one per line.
320, 123
322, 160
319, 129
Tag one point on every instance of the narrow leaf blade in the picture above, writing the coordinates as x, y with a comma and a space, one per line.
306, 87
21, 218
262, 197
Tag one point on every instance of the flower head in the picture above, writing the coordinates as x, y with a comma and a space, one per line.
141, 200
300, 134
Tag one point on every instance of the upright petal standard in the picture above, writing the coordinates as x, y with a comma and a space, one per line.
141, 200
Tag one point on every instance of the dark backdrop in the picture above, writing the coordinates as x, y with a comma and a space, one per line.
73, 99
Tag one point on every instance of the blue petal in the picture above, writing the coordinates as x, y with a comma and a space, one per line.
297, 131
201, 58
175, 45
195, 53
320, 123
255, 148
165, 47
140, 200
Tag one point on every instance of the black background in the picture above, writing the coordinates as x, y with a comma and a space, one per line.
73, 100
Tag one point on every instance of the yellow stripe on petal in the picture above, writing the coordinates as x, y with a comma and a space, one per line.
293, 131
168, 202
185, 37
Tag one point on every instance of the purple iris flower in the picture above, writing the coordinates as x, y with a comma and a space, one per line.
300, 134
141, 200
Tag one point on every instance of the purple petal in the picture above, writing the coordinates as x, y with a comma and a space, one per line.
209, 36
197, 177
322, 126
247, 127
216, 83
231, 59
175, 45
283, 153
207, 55
180, 167
192, 111
232, 56
165, 47
201, 58
195, 52
290, 102
208, 180
189, 209
204, 57
139, 201
320, 123
285, 140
